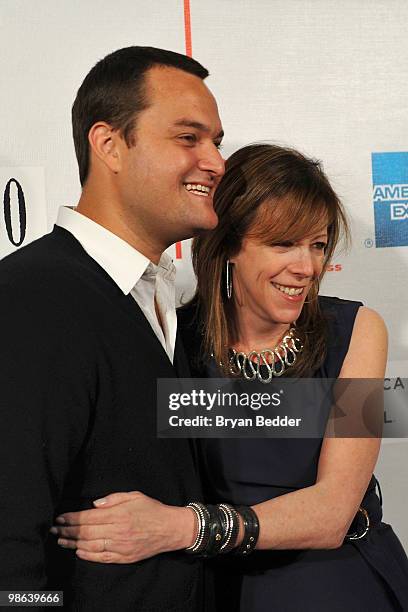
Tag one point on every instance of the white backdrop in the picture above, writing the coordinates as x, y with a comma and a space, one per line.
328, 77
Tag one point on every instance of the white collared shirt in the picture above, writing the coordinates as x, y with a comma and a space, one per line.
131, 271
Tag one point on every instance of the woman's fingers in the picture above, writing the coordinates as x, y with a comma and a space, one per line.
105, 512
68, 543
135, 526
102, 557
115, 498
122, 548
86, 532
98, 546
85, 517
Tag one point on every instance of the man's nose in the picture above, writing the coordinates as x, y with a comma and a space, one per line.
212, 161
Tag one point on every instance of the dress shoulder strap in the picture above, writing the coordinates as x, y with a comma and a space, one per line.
340, 316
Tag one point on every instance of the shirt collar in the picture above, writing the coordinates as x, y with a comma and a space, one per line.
124, 264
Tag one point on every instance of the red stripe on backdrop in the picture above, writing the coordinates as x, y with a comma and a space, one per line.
187, 28
189, 52
178, 251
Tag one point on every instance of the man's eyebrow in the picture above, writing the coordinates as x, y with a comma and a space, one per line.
197, 126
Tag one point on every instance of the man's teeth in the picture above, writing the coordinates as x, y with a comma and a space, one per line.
197, 188
288, 290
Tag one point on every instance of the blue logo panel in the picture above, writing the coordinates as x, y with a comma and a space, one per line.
390, 198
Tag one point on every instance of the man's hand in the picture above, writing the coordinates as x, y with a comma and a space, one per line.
124, 528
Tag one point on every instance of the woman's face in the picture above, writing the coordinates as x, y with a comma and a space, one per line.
272, 282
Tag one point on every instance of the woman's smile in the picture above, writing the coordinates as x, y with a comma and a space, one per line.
292, 293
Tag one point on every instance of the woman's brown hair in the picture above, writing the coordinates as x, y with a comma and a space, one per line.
271, 194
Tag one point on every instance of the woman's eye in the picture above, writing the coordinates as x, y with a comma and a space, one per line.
321, 246
286, 244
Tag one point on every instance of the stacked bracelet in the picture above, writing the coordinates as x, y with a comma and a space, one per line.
251, 530
218, 528
210, 534
216, 536
203, 531
230, 526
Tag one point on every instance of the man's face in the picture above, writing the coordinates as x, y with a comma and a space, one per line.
168, 178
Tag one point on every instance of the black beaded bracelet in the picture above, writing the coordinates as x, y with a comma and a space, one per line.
216, 535
211, 533
251, 530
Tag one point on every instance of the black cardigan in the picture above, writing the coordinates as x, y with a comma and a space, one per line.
78, 370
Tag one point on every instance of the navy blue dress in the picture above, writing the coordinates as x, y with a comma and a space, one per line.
366, 574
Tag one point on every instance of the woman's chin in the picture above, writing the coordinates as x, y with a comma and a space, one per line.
287, 315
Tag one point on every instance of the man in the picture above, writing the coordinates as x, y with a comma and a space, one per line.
88, 324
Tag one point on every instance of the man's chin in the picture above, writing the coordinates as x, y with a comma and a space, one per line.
204, 226
208, 224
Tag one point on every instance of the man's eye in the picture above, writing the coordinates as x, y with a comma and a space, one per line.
218, 145
189, 138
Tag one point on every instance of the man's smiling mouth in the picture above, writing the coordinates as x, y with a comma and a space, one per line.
198, 189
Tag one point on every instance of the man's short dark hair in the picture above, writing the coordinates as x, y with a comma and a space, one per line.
114, 91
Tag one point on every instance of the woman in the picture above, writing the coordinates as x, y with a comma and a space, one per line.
258, 278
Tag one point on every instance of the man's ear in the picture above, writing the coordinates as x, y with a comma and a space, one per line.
104, 141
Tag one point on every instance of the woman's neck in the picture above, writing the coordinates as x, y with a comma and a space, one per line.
254, 333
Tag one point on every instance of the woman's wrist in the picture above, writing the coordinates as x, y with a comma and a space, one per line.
184, 527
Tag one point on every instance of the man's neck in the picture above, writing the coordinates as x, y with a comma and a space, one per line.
108, 217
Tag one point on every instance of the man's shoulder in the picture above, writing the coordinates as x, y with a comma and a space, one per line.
48, 276
46, 263
48, 251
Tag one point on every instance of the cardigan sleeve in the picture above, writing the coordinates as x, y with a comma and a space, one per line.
45, 407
